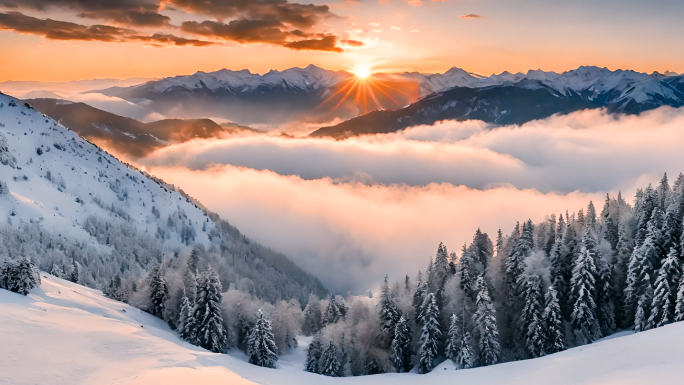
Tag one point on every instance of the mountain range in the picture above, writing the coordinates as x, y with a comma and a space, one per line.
518, 98
125, 135
382, 103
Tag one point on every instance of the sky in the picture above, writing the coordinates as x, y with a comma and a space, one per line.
62, 40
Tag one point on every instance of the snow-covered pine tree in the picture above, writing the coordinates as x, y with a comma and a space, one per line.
453, 338
484, 319
584, 322
515, 262
679, 306
313, 356
605, 295
665, 296
482, 248
211, 334
75, 272
465, 358
389, 315
531, 316
158, 290
187, 324
23, 276
332, 312
554, 334
312, 316
440, 268
400, 350
429, 335
467, 271
330, 365
418, 298
6, 274
261, 346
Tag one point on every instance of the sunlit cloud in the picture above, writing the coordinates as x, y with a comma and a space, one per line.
471, 16
352, 210
415, 3
395, 28
350, 234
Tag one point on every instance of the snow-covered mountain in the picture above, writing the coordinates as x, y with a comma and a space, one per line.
240, 96
278, 97
117, 343
89, 209
518, 98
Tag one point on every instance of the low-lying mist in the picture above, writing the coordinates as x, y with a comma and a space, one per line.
350, 211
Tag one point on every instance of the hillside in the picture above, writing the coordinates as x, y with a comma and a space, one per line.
116, 343
72, 205
125, 135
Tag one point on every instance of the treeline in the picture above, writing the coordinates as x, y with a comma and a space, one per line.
564, 282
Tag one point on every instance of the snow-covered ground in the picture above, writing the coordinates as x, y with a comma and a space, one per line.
63, 333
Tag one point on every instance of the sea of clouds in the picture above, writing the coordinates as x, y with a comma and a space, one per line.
350, 211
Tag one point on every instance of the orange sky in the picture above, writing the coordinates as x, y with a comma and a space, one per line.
513, 35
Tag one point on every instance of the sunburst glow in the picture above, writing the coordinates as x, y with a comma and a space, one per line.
362, 72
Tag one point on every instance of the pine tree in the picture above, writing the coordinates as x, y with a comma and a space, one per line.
261, 346
485, 321
335, 311
187, 324
211, 334
74, 276
429, 336
440, 268
331, 365
467, 271
482, 248
531, 317
389, 315
515, 263
465, 358
583, 319
453, 338
665, 296
312, 316
313, 356
553, 324
400, 350
605, 306
679, 306
418, 299
23, 276
158, 290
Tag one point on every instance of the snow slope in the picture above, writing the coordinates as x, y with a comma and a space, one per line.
79, 172
63, 333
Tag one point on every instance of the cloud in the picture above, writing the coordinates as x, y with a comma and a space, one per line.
352, 210
276, 22
328, 43
266, 31
301, 16
62, 30
415, 3
471, 16
126, 12
351, 234
395, 28
374, 24
556, 154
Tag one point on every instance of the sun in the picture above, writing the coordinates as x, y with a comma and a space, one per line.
362, 72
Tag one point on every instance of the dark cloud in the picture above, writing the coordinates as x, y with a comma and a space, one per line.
268, 32
63, 30
299, 15
276, 22
126, 12
328, 43
471, 16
